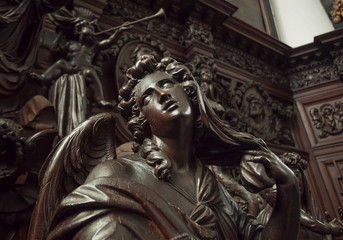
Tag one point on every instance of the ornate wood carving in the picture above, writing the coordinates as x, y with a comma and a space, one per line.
204, 71
231, 179
197, 31
127, 12
160, 101
241, 53
328, 119
331, 169
125, 52
244, 61
252, 110
338, 60
130, 11
313, 226
313, 74
20, 162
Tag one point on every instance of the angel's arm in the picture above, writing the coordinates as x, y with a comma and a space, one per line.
106, 43
284, 221
319, 227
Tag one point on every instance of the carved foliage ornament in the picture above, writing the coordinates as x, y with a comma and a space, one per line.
328, 119
130, 12
338, 60
11, 146
199, 32
250, 64
319, 73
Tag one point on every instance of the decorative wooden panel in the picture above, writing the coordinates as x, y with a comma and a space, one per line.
331, 168
322, 115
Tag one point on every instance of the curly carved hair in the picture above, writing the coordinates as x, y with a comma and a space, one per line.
294, 160
136, 121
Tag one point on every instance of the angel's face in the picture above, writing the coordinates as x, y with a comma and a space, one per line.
164, 103
85, 31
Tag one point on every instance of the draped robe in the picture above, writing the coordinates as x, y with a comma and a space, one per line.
20, 26
123, 199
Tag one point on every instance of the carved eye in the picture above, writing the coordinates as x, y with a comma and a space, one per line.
168, 83
146, 99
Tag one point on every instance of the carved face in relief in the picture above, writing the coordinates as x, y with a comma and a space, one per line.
255, 106
206, 74
164, 103
141, 50
85, 31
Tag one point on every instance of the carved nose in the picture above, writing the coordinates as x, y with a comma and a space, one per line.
164, 96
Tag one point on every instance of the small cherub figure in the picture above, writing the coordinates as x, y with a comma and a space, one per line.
80, 56
72, 74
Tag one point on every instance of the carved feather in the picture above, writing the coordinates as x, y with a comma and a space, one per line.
69, 164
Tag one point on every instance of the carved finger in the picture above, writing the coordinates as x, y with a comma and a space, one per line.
259, 159
256, 152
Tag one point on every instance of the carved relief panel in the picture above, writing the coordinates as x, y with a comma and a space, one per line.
328, 119
123, 55
252, 110
325, 120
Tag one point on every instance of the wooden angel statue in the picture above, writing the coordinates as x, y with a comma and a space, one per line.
163, 190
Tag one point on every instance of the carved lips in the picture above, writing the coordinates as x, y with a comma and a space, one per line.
170, 105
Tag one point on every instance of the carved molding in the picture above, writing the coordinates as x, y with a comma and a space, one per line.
131, 12
338, 60
250, 64
328, 119
128, 12
320, 72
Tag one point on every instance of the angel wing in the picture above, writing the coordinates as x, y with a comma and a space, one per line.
37, 148
68, 166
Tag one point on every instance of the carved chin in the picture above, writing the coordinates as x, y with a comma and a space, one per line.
255, 113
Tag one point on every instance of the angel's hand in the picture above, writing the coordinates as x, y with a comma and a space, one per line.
274, 167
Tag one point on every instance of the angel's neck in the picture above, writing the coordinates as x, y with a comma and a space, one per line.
179, 151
